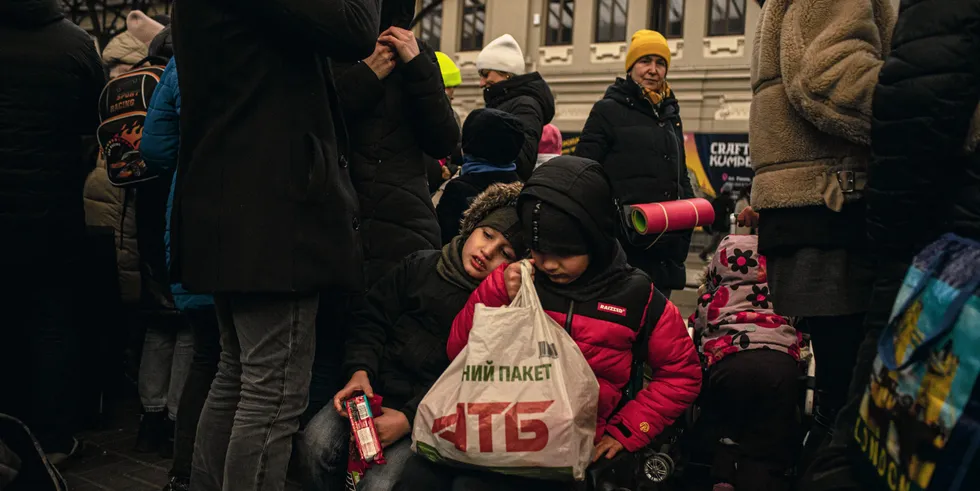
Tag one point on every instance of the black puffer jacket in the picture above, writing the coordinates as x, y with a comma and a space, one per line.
398, 334
394, 123
49, 92
529, 98
922, 182
642, 150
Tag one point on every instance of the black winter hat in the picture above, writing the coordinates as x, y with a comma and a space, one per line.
552, 231
493, 135
162, 44
496, 207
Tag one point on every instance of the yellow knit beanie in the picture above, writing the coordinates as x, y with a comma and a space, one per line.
450, 72
646, 42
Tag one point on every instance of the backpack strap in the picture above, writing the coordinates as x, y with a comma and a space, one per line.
151, 60
641, 347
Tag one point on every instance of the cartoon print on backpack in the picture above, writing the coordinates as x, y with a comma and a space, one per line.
122, 109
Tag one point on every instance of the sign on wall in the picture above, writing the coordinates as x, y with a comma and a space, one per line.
713, 159
718, 159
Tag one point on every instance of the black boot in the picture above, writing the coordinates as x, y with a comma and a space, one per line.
151, 432
167, 445
177, 484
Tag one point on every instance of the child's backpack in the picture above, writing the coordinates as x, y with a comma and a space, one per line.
122, 110
918, 425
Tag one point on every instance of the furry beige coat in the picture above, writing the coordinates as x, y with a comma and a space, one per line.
815, 64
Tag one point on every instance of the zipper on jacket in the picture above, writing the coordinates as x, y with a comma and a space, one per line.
568, 318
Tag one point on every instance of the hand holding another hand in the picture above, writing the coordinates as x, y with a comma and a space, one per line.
382, 61
402, 41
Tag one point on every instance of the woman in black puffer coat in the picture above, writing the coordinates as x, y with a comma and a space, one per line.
635, 132
525, 95
395, 119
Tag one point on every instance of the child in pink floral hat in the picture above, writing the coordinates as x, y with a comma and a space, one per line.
753, 357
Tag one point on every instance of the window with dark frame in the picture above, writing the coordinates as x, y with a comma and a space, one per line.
726, 17
430, 26
610, 21
473, 23
667, 17
561, 20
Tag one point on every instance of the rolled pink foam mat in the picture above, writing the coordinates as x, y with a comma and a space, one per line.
669, 216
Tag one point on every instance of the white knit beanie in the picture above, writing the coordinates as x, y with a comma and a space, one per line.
502, 54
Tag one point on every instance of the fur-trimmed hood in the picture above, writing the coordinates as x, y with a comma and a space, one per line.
815, 64
494, 197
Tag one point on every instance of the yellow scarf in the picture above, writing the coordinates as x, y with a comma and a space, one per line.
656, 97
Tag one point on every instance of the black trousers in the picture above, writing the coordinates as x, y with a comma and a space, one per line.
207, 351
422, 475
751, 405
39, 349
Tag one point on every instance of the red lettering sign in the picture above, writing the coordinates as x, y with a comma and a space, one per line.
449, 428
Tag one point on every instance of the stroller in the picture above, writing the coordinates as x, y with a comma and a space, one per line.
681, 453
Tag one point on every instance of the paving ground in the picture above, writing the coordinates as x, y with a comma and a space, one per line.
107, 461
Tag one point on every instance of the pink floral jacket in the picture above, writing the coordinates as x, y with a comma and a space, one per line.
734, 311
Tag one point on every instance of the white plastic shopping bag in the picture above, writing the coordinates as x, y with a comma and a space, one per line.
519, 399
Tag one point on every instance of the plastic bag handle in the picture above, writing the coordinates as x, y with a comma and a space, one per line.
527, 296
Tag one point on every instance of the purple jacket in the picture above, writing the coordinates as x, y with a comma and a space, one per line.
734, 311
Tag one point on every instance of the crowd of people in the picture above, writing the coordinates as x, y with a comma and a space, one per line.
296, 214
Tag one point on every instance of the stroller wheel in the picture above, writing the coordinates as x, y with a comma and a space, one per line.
658, 467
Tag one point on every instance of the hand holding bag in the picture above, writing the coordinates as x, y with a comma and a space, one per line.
519, 399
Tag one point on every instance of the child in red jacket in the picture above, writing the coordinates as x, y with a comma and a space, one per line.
586, 285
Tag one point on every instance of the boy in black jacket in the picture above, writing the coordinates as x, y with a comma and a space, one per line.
396, 346
492, 141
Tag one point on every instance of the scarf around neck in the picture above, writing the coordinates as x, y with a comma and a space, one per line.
473, 165
656, 97
450, 266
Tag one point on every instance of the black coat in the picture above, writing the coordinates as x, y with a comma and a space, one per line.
459, 195
393, 124
264, 202
921, 182
529, 98
642, 150
49, 93
398, 335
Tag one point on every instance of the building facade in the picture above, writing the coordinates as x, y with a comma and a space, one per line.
579, 47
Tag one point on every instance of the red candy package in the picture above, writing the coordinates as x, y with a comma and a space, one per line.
365, 446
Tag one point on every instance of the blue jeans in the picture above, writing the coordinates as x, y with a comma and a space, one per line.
323, 450
245, 432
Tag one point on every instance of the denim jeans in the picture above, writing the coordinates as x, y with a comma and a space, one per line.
207, 351
323, 450
168, 348
246, 428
